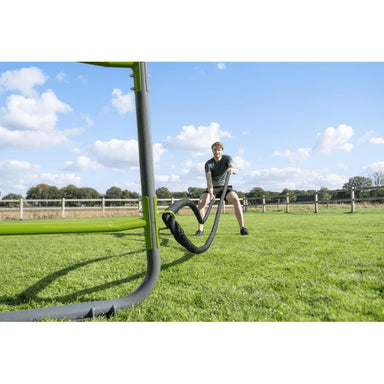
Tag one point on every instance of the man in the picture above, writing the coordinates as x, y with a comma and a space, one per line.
215, 172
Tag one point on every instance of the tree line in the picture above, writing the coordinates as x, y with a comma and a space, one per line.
50, 192
364, 187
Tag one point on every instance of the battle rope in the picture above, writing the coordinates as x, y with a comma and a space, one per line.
178, 232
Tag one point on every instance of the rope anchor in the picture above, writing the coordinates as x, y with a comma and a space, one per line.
178, 232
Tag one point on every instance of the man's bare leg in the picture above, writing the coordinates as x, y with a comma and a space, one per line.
204, 200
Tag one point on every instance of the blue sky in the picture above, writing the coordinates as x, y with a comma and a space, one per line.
297, 125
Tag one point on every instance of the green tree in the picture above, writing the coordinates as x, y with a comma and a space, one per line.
180, 195
195, 193
256, 192
324, 194
163, 193
292, 194
69, 192
114, 193
88, 193
358, 182
130, 195
378, 179
10, 196
44, 192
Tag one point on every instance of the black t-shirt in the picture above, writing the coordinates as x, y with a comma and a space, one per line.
218, 169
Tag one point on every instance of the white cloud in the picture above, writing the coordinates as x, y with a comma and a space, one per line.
342, 166
240, 162
276, 179
23, 80
335, 139
189, 167
61, 76
30, 122
167, 179
374, 167
83, 163
33, 113
196, 140
88, 120
123, 103
117, 154
77, 150
58, 180
366, 137
30, 139
18, 176
300, 155
377, 140
158, 150
221, 66
122, 155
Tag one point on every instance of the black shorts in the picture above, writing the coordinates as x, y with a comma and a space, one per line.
217, 191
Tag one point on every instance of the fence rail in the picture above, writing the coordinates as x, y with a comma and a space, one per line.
67, 205
313, 199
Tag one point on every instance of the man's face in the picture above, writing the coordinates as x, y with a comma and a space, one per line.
217, 153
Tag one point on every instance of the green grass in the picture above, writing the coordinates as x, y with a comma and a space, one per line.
293, 267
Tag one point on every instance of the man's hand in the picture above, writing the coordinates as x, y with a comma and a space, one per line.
211, 195
232, 171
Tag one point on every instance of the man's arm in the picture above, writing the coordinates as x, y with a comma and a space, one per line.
232, 169
208, 175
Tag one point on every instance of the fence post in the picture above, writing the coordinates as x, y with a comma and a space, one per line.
287, 203
316, 202
63, 208
263, 203
353, 200
21, 209
103, 206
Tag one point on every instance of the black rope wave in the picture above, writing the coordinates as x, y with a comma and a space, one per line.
178, 232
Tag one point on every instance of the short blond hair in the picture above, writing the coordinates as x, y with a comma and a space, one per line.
218, 144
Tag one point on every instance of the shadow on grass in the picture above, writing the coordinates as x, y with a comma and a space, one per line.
31, 293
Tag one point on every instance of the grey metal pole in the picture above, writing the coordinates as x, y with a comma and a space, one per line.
147, 176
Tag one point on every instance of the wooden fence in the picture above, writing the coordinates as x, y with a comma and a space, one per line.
69, 208
312, 199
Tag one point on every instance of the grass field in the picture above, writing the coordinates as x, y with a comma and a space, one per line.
299, 266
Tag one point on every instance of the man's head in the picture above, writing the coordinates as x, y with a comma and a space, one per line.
217, 150
218, 145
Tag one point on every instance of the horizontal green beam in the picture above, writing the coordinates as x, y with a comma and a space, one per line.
25, 228
117, 64
134, 65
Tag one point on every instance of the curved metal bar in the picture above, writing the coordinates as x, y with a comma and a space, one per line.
109, 307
